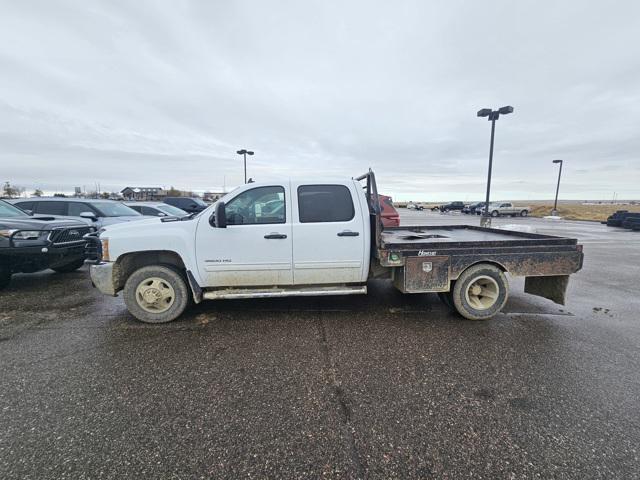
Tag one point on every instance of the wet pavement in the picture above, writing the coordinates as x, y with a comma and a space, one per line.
378, 386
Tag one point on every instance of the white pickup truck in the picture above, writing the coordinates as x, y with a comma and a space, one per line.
314, 237
499, 209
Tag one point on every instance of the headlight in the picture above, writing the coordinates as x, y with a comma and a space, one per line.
105, 249
22, 234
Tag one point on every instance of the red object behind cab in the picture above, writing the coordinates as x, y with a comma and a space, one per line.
390, 216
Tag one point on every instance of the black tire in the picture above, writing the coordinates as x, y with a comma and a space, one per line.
5, 277
495, 213
69, 267
524, 213
164, 275
480, 306
447, 299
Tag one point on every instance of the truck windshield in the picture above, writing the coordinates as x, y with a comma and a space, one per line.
114, 209
8, 210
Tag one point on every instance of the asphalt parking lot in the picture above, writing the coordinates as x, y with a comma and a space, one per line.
379, 386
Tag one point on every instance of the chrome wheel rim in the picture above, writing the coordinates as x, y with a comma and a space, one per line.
155, 295
482, 293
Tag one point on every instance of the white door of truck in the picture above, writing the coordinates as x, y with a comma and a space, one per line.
328, 234
255, 248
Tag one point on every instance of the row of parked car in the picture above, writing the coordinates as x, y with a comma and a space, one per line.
41, 233
496, 209
624, 219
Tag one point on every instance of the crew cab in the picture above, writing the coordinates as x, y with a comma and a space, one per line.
307, 238
499, 209
30, 243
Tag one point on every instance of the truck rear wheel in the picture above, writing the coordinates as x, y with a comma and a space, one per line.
156, 294
524, 213
480, 292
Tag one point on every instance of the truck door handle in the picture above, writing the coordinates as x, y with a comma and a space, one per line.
348, 233
272, 236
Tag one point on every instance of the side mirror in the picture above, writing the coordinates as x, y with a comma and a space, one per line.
89, 215
160, 214
29, 212
219, 217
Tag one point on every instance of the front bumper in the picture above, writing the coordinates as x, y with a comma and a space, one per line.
102, 277
22, 258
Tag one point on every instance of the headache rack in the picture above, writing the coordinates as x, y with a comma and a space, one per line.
371, 189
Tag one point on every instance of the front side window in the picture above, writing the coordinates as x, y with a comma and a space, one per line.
260, 205
325, 203
76, 208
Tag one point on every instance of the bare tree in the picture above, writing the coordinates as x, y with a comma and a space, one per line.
9, 191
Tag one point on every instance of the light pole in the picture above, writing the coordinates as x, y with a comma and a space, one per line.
554, 212
493, 115
245, 152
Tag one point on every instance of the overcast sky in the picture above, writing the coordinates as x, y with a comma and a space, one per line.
161, 93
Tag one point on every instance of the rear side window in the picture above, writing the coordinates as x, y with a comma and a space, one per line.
325, 203
51, 208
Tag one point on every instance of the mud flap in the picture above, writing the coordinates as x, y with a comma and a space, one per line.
196, 290
552, 287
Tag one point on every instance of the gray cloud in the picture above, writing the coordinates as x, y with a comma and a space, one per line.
164, 92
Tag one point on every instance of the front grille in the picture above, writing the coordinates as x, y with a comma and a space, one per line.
68, 235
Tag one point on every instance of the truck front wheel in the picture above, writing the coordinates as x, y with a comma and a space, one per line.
480, 292
156, 294
495, 213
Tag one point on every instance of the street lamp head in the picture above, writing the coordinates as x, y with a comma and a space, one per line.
505, 110
557, 161
485, 112
249, 152
241, 152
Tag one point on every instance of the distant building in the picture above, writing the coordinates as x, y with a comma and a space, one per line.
143, 193
212, 196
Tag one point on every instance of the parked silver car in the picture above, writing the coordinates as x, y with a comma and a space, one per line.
156, 209
97, 213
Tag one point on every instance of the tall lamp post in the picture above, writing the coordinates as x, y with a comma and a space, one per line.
554, 212
244, 152
493, 115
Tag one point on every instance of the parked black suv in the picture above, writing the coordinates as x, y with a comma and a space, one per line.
452, 206
188, 204
32, 243
473, 209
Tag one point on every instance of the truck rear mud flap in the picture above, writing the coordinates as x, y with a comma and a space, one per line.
553, 287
